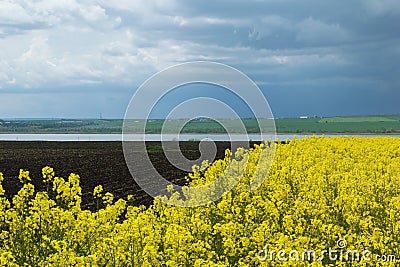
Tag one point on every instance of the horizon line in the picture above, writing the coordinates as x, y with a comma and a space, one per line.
93, 118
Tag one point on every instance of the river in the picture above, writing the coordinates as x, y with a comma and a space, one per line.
157, 137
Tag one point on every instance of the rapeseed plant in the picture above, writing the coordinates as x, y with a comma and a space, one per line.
317, 191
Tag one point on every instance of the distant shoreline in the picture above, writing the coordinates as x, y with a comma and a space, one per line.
25, 137
380, 124
278, 133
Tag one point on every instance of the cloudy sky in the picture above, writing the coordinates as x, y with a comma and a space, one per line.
70, 58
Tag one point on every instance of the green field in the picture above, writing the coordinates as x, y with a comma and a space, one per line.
199, 126
367, 124
60, 126
360, 119
356, 124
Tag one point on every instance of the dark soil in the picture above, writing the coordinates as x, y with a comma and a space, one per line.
95, 162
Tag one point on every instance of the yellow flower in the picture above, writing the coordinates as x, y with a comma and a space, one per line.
319, 190
97, 192
108, 198
24, 176
48, 174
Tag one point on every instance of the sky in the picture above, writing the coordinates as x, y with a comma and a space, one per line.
80, 59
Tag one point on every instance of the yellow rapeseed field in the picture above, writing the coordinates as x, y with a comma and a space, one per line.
325, 202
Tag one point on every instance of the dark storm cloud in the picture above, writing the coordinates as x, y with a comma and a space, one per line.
301, 53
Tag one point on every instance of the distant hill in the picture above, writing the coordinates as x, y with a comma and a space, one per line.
304, 124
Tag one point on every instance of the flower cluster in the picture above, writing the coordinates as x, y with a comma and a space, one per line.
318, 190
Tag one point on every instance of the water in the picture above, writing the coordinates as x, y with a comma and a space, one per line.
60, 137
157, 137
